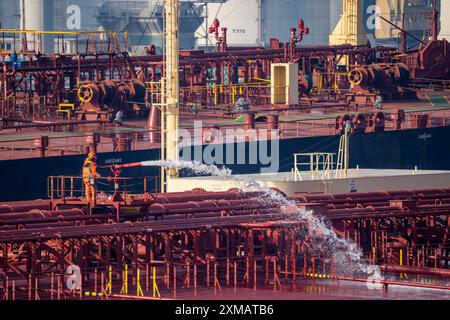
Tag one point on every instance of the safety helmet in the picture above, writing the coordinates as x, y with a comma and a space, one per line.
92, 155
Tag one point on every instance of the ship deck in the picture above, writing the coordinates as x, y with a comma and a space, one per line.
305, 120
323, 290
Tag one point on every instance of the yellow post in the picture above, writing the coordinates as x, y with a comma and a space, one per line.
125, 281
233, 93
155, 286
401, 263
109, 285
373, 255
215, 94
139, 291
336, 86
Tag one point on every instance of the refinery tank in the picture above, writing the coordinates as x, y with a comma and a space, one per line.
143, 20
445, 21
66, 19
94, 15
37, 15
255, 22
416, 15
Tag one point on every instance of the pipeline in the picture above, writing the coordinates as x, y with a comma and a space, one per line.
36, 213
24, 206
396, 283
443, 273
130, 228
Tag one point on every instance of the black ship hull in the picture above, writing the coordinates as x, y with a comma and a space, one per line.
428, 149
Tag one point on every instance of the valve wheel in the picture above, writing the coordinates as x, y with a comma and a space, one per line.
355, 77
85, 93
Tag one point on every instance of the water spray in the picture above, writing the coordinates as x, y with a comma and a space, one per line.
322, 237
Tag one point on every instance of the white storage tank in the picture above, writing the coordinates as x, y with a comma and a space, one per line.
281, 15
76, 15
255, 22
38, 15
240, 17
445, 20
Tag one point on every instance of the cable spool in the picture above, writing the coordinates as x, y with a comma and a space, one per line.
138, 90
400, 73
110, 91
378, 76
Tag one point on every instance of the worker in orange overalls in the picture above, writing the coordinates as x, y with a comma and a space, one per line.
89, 175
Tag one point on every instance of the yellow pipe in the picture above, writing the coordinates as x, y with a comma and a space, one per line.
125, 281
155, 286
15, 31
401, 263
233, 94
261, 79
336, 87
109, 285
139, 291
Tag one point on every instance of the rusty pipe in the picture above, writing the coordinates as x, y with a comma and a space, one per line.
10, 208
437, 272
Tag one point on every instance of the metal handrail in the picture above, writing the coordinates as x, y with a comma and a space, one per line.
62, 187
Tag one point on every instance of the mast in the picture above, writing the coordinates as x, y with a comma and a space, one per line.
172, 83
